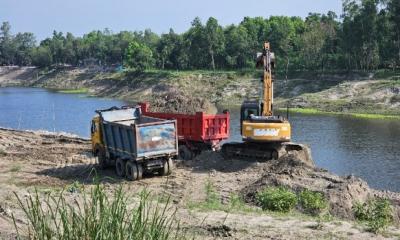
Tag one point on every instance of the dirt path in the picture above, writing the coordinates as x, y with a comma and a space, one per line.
50, 162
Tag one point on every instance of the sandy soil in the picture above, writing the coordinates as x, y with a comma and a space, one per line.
48, 162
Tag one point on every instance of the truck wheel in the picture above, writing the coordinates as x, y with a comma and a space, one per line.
120, 167
170, 166
164, 169
139, 171
185, 153
167, 167
131, 171
101, 158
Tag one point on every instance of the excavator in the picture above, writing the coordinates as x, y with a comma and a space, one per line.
265, 135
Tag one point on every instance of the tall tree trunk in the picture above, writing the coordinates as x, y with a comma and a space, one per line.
212, 59
398, 44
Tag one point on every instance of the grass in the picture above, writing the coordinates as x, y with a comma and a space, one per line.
278, 199
75, 91
213, 202
15, 168
376, 213
97, 216
2, 153
357, 115
312, 202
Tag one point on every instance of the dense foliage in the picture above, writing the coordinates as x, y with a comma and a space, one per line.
377, 213
312, 202
277, 199
366, 36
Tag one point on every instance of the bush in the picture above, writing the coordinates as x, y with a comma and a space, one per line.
376, 213
97, 216
277, 199
2, 153
312, 202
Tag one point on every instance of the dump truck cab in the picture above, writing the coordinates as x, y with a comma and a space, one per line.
95, 135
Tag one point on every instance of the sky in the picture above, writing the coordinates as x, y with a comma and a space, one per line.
82, 16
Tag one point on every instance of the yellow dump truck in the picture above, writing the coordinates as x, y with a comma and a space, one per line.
132, 143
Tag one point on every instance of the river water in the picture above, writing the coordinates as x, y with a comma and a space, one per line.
35, 109
367, 148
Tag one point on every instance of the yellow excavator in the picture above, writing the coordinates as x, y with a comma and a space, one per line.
265, 135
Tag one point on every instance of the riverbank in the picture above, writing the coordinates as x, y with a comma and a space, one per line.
214, 197
354, 93
349, 114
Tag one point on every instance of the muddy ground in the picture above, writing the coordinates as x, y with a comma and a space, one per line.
50, 162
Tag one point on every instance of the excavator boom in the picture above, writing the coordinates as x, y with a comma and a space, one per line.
268, 97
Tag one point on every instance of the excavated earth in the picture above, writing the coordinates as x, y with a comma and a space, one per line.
50, 162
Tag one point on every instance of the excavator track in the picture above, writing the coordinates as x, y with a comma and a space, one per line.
264, 151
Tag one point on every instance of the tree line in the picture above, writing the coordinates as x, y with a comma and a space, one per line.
365, 37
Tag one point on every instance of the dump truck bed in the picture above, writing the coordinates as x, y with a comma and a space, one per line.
198, 127
129, 135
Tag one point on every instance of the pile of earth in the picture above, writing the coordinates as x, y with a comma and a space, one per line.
176, 101
341, 192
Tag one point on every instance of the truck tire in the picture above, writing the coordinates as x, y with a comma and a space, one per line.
139, 171
120, 167
170, 166
185, 153
101, 158
167, 167
131, 171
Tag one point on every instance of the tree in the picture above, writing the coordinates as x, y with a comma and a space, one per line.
165, 47
215, 39
197, 45
41, 56
394, 13
237, 49
139, 56
24, 43
7, 47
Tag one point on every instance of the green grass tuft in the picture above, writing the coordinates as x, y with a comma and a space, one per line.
15, 168
97, 216
312, 202
2, 153
376, 213
277, 199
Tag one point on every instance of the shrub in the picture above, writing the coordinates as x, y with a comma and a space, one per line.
277, 199
2, 153
98, 216
312, 202
377, 213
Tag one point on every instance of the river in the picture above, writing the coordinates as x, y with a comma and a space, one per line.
367, 148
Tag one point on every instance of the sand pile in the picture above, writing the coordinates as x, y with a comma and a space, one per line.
176, 101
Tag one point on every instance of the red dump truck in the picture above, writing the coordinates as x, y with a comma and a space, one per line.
196, 132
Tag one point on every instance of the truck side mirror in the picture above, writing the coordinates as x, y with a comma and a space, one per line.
93, 127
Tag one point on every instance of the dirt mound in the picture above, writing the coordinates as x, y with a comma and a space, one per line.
175, 101
341, 192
